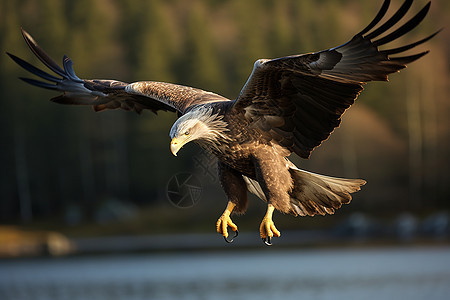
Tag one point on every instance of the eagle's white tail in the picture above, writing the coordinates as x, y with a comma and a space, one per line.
313, 193
318, 194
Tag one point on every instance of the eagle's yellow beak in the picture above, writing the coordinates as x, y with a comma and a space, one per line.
175, 146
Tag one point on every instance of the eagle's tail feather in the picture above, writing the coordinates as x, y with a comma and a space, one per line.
313, 194
318, 194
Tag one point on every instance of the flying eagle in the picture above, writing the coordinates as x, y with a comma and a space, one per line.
288, 105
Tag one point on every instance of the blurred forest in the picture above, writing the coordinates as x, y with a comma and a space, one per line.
65, 163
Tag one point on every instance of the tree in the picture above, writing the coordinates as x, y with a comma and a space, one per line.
203, 65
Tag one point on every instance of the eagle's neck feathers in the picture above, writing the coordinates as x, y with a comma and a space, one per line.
212, 127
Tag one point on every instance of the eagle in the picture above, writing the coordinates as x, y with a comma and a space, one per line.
288, 105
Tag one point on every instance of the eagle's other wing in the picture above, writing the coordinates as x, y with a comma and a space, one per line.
300, 99
110, 94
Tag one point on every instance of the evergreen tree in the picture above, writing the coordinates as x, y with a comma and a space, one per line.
252, 43
304, 34
149, 40
281, 30
14, 172
203, 67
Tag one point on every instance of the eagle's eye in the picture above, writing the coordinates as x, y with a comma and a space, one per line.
186, 132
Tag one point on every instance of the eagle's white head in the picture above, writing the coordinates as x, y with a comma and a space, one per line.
201, 125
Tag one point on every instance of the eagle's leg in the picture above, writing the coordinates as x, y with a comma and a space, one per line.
225, 221
236, 190
267, 228
276, 183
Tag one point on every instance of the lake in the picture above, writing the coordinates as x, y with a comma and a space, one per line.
266, 273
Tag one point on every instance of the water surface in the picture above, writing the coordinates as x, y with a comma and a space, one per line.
266, 273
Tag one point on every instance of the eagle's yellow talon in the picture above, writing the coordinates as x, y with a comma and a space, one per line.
267, 228
225, 221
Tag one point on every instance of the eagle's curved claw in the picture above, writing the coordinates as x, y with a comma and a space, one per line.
267, 241
236, 233
267, 228
222, 226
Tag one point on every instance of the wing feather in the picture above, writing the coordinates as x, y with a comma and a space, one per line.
401, 12
110, 94
318, 87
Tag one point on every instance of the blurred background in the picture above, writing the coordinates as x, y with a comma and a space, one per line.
78, 182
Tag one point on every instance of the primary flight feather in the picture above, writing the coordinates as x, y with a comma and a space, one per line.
288, 105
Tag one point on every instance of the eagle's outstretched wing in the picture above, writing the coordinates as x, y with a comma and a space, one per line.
300, 99
110, 94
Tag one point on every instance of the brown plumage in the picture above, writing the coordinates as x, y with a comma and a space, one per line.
288, 105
